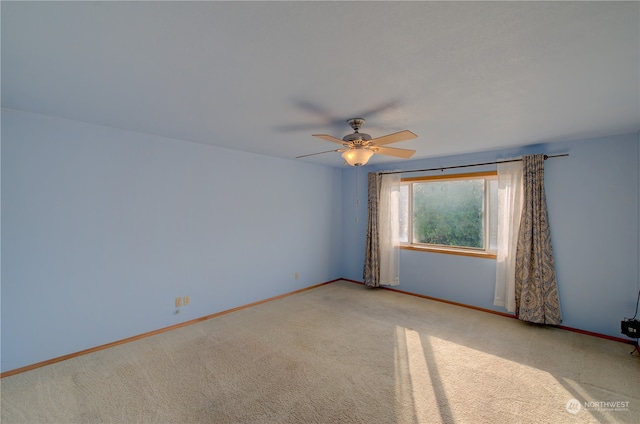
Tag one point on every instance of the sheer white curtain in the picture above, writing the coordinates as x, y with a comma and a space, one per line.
510, 197
388, 224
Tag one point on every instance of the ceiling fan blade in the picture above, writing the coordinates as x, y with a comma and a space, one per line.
394, 138
337, 122
329, 138
393, 151
297, 127
320, 153
391, 104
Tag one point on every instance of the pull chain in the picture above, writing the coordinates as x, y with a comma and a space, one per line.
357, 193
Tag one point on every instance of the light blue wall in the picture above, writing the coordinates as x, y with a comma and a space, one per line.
592, 197
102, 229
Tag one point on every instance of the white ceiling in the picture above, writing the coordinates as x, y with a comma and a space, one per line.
263, 76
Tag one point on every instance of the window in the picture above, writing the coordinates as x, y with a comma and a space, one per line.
450, 214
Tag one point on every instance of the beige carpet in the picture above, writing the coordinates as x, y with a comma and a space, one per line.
339, 353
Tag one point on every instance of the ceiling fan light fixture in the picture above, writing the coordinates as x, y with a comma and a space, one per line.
359, 147
357, 157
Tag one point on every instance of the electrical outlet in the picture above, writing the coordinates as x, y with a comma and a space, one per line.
296, 275
186, 300
178, 302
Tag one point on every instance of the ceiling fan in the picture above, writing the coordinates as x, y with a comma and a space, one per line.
357, 148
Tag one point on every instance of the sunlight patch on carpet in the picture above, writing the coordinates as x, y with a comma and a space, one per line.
416, 383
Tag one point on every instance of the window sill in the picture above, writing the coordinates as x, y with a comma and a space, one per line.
460, 252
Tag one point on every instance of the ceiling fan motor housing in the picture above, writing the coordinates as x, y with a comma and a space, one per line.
356, 139
356, 136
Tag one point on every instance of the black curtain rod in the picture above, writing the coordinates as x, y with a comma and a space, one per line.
442, 168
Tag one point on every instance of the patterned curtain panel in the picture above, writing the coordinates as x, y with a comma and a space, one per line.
371, 273
536, 287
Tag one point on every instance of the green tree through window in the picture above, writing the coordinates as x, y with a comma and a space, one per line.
449, 213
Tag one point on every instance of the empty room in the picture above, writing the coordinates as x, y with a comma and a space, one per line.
320, 212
